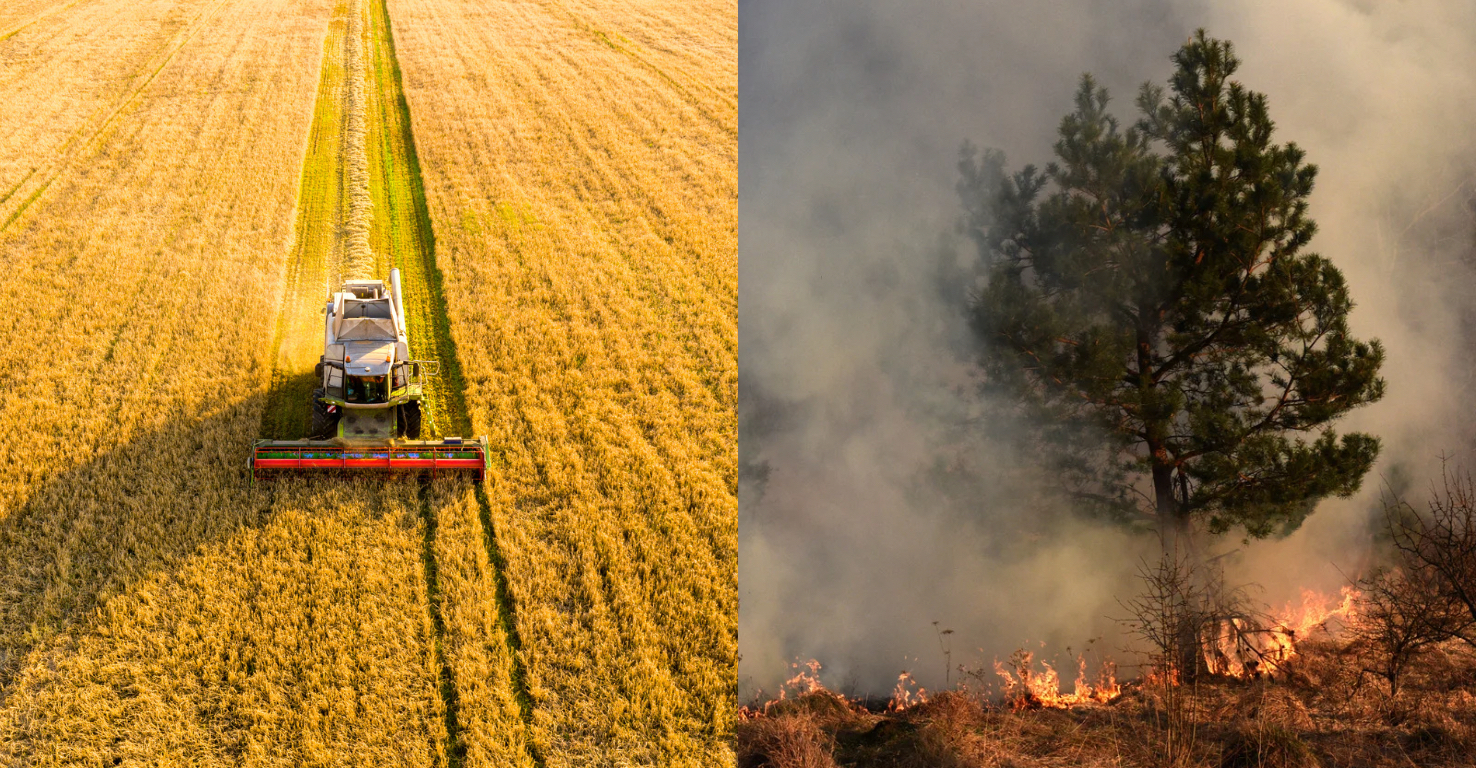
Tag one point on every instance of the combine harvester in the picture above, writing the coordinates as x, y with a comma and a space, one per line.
366, 411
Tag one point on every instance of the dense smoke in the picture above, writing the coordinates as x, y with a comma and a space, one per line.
871, 502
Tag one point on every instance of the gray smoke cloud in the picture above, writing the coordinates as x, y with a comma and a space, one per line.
871, 505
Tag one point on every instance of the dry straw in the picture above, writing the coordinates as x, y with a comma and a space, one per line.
358, 262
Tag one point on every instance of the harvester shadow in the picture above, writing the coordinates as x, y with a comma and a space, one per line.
98, 529
287, 415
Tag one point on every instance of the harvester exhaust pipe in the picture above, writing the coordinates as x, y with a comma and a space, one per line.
399, 301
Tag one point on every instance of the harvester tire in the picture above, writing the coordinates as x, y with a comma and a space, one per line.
410, 419
325, 424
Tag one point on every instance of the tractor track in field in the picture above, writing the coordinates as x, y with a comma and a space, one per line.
16, 29
403, 231
91, 131
400, 236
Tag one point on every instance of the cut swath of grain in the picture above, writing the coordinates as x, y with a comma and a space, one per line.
359, 262
313, 266
580, 171
152, 604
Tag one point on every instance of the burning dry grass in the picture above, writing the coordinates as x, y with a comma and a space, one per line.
1322, 710
580, 170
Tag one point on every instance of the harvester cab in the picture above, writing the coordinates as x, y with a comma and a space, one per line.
366, 411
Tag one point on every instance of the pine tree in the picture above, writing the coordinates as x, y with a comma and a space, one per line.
1150, 304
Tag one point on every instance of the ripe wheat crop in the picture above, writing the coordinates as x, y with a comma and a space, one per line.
300, 639
67, 72
153, 606
580, 171
564, 212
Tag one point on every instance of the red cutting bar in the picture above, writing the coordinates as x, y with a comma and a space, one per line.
278, 463
430, 458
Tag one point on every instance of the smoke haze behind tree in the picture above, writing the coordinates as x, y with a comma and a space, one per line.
871, 505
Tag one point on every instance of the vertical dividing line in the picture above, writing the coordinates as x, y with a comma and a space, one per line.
446, 676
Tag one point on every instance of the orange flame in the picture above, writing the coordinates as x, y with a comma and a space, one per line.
1244, 648
806, 679
1028, 689
903, 698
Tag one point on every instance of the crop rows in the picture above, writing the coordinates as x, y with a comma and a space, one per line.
580, 172
564, 215
75, 73
154, 606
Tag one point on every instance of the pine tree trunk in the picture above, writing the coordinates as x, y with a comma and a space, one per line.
1172, 527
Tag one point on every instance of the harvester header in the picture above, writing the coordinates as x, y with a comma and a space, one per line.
366, 412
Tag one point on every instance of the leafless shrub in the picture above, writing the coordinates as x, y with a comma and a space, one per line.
1428, 595
1401, 614
1437, 550
1168, 616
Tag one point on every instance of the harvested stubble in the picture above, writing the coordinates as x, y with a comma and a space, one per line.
152, 606
317, 253
580, 170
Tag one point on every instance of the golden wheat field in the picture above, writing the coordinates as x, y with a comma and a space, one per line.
580, 171
557, 183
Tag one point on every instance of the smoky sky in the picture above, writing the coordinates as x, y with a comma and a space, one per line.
871, 505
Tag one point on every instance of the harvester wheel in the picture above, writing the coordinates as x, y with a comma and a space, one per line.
410, 419
325, 424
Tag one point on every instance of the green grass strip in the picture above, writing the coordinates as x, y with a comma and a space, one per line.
402, 234
287, 415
